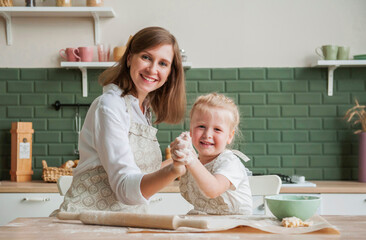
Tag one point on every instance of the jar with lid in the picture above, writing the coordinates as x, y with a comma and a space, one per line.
94, 3
6, 3
63, 3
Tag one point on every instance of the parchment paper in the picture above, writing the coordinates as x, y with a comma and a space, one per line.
248, 224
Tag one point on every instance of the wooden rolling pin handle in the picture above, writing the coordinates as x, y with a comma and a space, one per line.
68, 216
193, 223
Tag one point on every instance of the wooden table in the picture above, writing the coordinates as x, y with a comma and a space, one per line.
38, 186
351, 227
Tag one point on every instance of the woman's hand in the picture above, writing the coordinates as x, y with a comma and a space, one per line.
182, 150
179, 168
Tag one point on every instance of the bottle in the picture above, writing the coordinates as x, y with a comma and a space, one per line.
6, 3
30, 3
167, 153
63, 3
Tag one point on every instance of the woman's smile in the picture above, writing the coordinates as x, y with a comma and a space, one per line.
149, 79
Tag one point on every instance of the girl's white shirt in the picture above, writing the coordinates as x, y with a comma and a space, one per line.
104, 141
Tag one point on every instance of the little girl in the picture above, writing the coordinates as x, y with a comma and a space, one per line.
216, 181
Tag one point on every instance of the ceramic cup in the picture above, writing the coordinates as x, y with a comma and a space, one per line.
70, 54
85, 54
327, 52
118, 53
103, 52
343, 53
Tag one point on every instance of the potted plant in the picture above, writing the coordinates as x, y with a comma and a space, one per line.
357, 114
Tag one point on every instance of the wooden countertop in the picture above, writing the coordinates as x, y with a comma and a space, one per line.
350, 227
43, 187
329, 187
321, 187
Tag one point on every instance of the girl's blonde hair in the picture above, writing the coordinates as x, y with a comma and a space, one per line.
169, 101
205, 102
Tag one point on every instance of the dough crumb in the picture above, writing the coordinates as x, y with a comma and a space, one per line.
292, 222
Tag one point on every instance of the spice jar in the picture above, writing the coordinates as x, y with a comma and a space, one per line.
94, 3
6, 3
63, 3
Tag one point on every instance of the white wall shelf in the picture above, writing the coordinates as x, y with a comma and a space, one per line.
333, 65
94, 12
83, 66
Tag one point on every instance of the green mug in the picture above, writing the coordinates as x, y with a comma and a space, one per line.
327, 52
343, 53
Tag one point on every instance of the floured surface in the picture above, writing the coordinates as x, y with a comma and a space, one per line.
351, 227
255, 223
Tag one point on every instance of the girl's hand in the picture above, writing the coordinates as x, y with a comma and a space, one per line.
182, 150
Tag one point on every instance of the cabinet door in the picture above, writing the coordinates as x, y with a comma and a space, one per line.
169, 203
14, 205
343, 204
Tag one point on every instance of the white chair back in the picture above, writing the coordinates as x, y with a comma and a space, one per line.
262, 186
265, 185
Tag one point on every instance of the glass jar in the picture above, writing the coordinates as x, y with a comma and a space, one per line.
63, 3
6, 3
30, 3
94, 3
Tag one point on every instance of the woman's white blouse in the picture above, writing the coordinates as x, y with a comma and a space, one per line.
104, 141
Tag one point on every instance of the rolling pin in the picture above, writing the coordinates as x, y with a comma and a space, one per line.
170, 222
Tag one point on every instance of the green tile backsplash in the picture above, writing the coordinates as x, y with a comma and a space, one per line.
288, 123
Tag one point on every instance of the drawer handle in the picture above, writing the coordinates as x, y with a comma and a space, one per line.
36, 199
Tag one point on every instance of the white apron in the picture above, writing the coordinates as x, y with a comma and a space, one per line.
91, 190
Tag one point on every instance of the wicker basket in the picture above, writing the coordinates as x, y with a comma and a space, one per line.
51, 174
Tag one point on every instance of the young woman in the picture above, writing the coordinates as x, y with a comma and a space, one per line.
120, 159
216, 181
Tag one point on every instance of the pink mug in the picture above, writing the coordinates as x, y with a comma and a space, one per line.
69, 54
85, 54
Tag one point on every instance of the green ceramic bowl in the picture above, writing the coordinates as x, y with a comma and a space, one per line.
299, 206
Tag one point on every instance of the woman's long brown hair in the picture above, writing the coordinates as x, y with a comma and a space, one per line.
169, 101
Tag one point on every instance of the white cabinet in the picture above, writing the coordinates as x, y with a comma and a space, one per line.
343, 204
169, 203
14, 205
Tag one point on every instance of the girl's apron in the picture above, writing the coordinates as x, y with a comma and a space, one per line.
91, 190
203, 205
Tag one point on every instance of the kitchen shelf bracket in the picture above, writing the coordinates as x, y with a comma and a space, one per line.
83, 66
332, 65
96, 12
9, 39
96, 28
84, 80
331, 79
